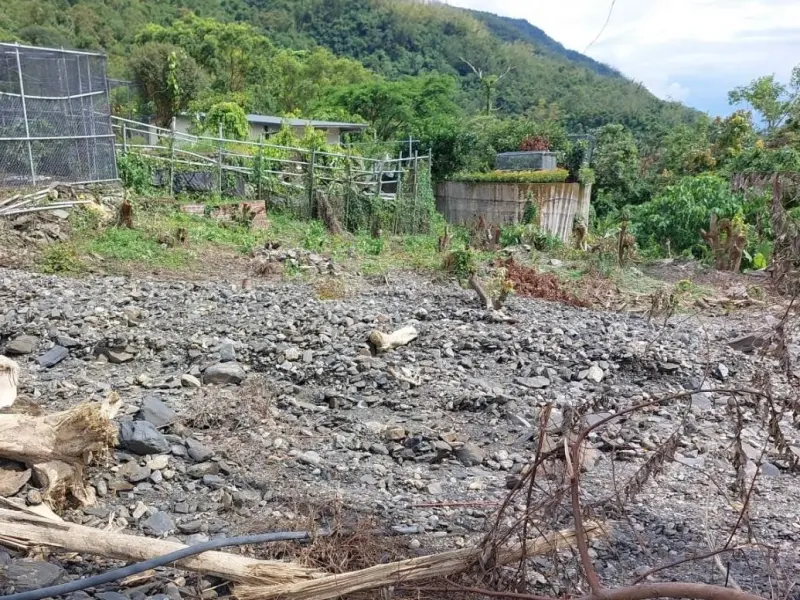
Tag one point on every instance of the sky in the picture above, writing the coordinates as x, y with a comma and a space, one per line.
693, 51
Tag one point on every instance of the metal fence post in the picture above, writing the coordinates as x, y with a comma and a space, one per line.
260, 165
172, 126
311, 184
414, 205
219, 158
25, 117
124, 138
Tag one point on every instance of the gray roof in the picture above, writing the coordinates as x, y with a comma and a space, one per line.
270, 120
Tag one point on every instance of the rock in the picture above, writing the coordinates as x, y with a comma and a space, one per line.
133, 472
308, 357
156, 412
196, 538
470, 455
52, 357
227, 353
668, 368
595, 374
67, 342
435, 488
292, 354
111, 596
722, 371
310, 458
200, 470
158, 524
24, 344
379, 449
27, 575
118, 357
190, 381
141, 437
395, 434
215, 482
534, 383
224, 373
769, 470
748, 343
197, 451
696, 463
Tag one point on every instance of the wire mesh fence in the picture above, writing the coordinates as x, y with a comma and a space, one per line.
55, 121
358, 192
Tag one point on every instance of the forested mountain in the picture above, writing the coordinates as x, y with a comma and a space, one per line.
392, 38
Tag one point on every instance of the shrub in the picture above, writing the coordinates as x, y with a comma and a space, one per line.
681, 211
554, 176
461, 263
60, 258
535, 143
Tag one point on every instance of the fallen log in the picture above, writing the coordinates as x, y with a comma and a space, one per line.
29, 531
58, 445
414, 569
383, 342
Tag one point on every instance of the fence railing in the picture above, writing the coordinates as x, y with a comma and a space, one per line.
360, 191
54, 117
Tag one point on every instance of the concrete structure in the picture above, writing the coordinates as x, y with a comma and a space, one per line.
269, 125
504, 203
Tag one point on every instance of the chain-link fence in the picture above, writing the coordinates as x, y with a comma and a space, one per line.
55, 121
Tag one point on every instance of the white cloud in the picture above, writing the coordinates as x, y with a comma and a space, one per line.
665, 43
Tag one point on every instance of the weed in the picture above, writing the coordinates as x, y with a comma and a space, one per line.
315, 237
60, 259
134, 245
330, 289
461, 263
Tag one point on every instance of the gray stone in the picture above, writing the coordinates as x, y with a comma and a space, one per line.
111, 596
470, 455
310, 458
215, 482
770, 470
197, 451
192, 526
202, 469
291, 354
750, 342
117, 357
156, 412
26, 575
224, 373
379, 449
190, 381
67, 342
534, 383
669, 368
196, 538
159, 524
227, 353
722, 371
435, 488
141, 437
24, 344
308, 357
595, 374
52, 357
696, 463
133, 472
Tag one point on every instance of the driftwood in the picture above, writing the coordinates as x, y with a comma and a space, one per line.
24, 530
9, 378
488, 302
57, 446
414, 569
383, 342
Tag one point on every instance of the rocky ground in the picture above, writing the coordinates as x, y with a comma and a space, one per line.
260, 409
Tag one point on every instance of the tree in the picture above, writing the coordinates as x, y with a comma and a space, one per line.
488, 83
230, 117
616, 163
168, 78
768, 97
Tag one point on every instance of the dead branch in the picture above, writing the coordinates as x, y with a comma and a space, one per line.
414, 569
383, 342
491, 304
31, 531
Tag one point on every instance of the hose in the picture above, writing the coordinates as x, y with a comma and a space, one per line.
166, 559
160, 561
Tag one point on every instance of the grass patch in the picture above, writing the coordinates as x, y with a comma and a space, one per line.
60, 259
134, 245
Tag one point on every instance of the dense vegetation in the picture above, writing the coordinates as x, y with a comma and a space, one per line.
465, 85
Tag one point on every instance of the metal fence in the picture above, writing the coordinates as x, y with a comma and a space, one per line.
54, 117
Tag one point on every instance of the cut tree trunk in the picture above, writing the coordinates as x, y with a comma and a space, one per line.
57, 446
26, 530
414, 569
383, 342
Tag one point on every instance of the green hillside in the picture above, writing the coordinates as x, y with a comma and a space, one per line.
393, 38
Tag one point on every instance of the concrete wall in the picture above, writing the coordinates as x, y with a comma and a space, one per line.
504, 203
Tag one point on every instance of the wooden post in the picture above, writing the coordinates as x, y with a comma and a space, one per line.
219, 159
172, 126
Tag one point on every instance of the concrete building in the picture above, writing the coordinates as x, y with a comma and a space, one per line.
269, 125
